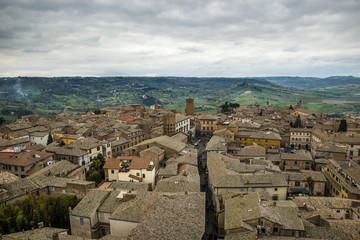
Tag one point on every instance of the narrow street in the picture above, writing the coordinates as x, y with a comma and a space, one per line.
210, 217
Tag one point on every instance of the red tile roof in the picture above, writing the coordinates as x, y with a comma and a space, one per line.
135, 177
23, 158
136, 162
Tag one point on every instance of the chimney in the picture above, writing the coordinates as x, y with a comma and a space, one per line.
274, 203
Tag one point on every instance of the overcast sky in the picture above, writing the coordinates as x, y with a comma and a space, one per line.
180, 38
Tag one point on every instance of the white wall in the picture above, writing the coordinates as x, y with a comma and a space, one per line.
39, 140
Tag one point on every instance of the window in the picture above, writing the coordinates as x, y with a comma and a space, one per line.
137, 174
81, 221
63, 191
15, 168
275, 197
52, 189
275, 189
98, 148
331, 155
89, 150
143, 175
297, 184
22, 169
275, 230
112, 171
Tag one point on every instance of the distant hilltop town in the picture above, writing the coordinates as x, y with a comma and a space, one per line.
130, 172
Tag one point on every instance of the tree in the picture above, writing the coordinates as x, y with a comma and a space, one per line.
291, 107
298, 123
50, 139
234, 105
28, 212
2, 121
225, 107
95, 177
343, 126
97, 111
311, 183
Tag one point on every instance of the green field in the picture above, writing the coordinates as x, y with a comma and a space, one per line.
77, 94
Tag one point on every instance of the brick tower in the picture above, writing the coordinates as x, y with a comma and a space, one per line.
189, 106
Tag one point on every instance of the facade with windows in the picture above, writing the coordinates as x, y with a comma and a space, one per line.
182, 123
300, 138
207, 125
342, 179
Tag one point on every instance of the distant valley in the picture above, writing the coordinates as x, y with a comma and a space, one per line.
39, 95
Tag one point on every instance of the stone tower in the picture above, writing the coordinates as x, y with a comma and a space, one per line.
189, 106
299, 104
169, 124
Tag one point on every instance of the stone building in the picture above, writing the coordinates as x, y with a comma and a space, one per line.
169, 121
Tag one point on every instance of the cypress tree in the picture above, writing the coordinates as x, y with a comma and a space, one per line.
298, 123
343, 126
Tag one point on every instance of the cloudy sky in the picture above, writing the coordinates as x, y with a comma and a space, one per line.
180, 38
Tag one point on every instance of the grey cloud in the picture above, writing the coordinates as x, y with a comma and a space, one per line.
179, 37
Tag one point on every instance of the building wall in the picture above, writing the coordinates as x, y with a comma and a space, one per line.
93, 152
335, 185
182, 126
80, 230
119, 149
169, 124
135, 151
104, 217
267, 143
39, 140
67, 141
301, 164
207, 127
154, 157
281, 192
121, 228
330, 155
302, 138
79, 190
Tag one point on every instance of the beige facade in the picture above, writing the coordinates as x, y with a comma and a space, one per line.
276, 193
121, 229
300, 138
